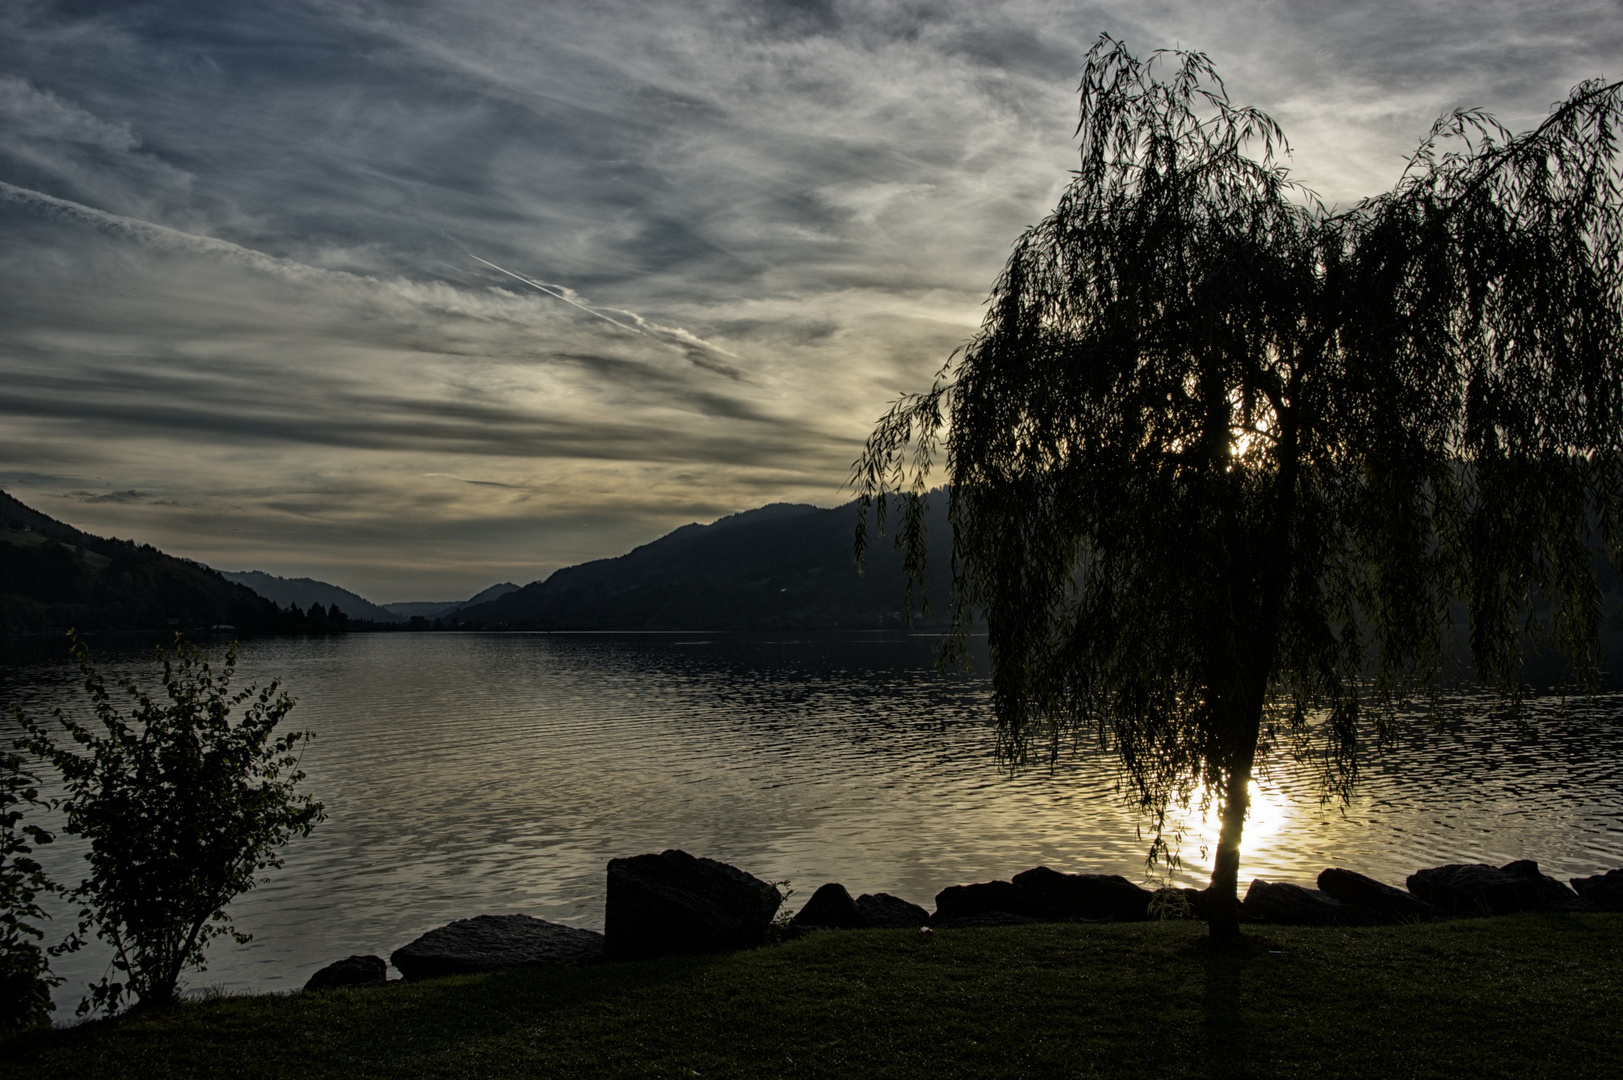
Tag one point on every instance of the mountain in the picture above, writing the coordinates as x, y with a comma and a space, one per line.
784, 566
491, 593
53, 576
402, 610
306, 591
789, 567
434, 609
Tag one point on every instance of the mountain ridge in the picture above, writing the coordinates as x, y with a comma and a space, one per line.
434, 609
55, 577
782, 566
306, 591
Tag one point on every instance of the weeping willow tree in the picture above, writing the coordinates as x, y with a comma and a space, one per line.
1223, 460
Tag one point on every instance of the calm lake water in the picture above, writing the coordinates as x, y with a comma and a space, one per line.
466, 774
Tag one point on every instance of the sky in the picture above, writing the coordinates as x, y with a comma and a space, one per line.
418, 296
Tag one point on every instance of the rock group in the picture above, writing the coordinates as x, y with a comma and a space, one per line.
1459, 890
673, 903
832, 907
1043, 895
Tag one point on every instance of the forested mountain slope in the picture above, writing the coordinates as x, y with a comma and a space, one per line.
306, 591
781, 566
53, 577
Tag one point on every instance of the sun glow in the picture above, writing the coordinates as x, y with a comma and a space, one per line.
1269, 814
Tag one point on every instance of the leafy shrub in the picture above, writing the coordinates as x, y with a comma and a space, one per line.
183, 809
1170, 903
25, 979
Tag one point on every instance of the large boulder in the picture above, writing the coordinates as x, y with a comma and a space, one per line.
831, 906
981, 898
1605, 891
1473, 889
350, 971
1284, 904
1384, 902
1479, 889
1552, 895
1049, 894
1200, 902
494, 942
886, 912
674, 903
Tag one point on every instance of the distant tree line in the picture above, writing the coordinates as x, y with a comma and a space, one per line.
54, 577
318, 620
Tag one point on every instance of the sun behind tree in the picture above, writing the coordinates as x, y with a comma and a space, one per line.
1221, 457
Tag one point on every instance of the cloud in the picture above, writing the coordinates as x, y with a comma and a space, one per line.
34, 114
110, 496
497, 366
55, 144
703, 353
237, 269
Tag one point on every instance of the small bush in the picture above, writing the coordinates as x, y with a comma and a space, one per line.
183, 809
1170, 903
25, 979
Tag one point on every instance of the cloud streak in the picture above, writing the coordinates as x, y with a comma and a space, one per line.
702, 352
713, 238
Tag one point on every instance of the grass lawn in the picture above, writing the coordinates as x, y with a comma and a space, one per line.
1526, 996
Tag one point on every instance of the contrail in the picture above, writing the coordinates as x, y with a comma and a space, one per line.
699, 352
550, 290
673, 336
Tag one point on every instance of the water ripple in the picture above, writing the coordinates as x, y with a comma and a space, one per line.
496, 773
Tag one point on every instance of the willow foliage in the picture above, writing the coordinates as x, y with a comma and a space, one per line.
1221, 457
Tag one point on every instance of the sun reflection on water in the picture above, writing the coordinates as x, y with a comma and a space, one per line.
1271, 815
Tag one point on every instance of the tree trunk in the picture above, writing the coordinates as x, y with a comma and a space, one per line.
1255, 669
1223, 910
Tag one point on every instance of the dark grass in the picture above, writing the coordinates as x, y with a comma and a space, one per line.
1528, 996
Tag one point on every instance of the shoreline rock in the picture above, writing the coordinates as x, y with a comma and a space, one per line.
831, 906
1605, 891
968, 901
492, 943
1283, 904
1386, 902
351, 971
673, 903
1475, 889
1075, 897
886, 912
1046, 895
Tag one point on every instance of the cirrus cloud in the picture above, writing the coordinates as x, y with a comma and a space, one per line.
417, 297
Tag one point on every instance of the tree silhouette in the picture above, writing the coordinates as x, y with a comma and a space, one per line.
182, 805
1222, 457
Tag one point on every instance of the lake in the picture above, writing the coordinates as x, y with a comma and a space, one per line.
494, 773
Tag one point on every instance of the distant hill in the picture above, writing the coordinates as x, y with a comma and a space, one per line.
53, 576
491, 593
421, 609
306, 591
434, 609
784, 566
